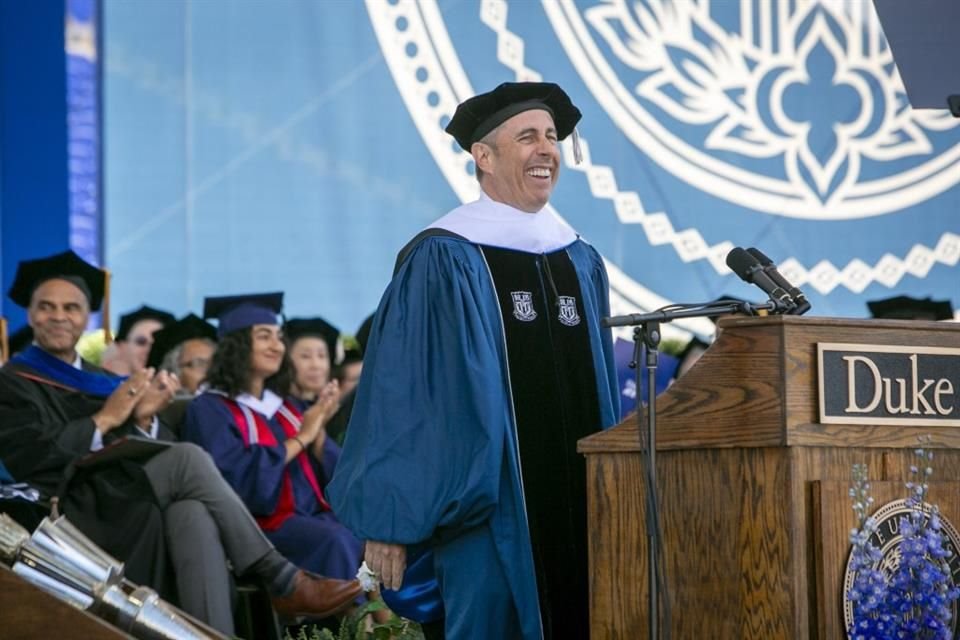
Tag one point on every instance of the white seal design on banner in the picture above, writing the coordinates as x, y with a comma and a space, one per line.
728, 110
432, 82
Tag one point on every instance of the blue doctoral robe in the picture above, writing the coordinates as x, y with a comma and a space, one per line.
431, 455
310, 537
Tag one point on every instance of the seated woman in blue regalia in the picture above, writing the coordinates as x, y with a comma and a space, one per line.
275, 455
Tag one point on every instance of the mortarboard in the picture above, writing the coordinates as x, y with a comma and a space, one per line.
351, 352
243, 311
66, 266
128, 320
363, 333
20, 339
316, 327
189, 327
908, 308
481, 114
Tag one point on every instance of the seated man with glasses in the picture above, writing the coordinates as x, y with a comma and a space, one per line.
185, 348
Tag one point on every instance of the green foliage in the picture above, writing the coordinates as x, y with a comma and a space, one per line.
354, 627
672, 346
349, 342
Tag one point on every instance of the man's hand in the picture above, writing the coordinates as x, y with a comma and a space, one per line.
120, 403
159, 393
388, 561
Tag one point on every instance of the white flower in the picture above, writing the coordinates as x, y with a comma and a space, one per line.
368, 579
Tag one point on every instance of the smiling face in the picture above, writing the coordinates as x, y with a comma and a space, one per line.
58, 314
523, 163
266, 350
311, 363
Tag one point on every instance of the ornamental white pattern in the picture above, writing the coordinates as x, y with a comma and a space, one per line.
707, 102
755, 149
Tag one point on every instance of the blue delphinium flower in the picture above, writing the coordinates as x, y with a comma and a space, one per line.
914, 597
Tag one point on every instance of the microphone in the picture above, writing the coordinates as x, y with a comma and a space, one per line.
750, 270
803, 305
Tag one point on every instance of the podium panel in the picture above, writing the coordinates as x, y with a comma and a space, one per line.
833, 516
27, 612
752, 488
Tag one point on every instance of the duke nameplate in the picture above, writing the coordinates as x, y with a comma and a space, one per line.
879, 384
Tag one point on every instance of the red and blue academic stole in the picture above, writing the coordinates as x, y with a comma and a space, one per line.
255, 431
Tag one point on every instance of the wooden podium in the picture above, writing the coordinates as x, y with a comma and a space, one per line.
753, 488
29, 613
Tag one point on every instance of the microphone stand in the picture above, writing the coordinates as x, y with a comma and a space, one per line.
646, 333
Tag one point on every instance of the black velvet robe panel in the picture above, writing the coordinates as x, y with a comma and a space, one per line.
555, 402
44, 428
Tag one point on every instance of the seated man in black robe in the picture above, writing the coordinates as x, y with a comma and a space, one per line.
172, 506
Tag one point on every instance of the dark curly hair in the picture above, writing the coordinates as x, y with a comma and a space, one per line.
230, 369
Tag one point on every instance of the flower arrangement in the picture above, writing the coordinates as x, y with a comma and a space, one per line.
907, 592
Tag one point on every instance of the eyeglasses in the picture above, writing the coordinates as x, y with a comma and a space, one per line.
196, 363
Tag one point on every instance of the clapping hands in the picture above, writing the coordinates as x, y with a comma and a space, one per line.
141, 395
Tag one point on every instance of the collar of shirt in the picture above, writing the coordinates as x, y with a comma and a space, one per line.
492, 223
77, 362
266, 406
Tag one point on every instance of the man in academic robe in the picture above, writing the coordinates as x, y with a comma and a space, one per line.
56, 409
485, 364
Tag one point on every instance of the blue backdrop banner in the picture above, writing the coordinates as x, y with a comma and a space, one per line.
297, 145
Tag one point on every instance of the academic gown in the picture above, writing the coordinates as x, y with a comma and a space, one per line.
290, 508
44, 427
442, 449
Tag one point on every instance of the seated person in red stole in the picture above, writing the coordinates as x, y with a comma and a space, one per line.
277, 458
171, 509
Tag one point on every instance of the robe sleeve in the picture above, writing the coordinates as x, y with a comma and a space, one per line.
324, 467
426, 439
255, 472
34, 437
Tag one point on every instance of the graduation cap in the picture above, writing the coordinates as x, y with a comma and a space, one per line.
62, 266
128, 321
351, 352
243, 311
297, 328
481, 114
20, 340
909, 308
189, 327
363, 333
